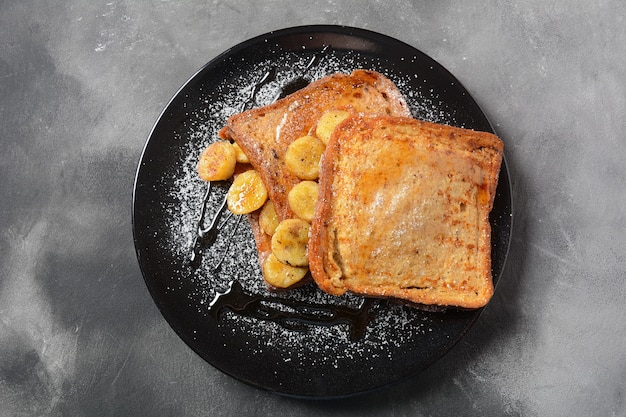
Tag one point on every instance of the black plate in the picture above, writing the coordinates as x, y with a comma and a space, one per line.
282, 343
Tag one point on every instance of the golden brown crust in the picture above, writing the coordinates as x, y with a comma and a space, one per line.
265, 133
403, 212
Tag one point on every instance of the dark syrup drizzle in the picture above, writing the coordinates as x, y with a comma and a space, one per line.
294, 315
301, 81
205, 237
300, 315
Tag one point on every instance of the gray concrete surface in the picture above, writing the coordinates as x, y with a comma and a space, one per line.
81, 84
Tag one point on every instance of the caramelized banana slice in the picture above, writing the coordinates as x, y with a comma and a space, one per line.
239, 155
217, 162
302, 199
290, 242
247, 193
280, 275
327, 123
268, 219
303, 157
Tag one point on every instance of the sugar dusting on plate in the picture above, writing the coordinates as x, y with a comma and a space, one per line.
234, 248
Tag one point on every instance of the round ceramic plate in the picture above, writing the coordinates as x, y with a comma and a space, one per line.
302, 342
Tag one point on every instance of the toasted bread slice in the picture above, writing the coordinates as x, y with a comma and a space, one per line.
404, 212
265, 133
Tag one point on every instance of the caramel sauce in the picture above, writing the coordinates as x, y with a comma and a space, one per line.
205, 237
291, 314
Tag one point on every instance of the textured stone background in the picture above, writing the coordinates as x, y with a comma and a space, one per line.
81, 84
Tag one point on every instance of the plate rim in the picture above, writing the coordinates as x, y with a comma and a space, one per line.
313, 29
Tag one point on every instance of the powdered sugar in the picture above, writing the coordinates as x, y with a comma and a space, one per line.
393, 329
235, 244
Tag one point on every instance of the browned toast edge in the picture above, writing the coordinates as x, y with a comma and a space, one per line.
320, 244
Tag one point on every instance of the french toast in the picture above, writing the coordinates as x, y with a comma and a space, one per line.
265, 133
403, 212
